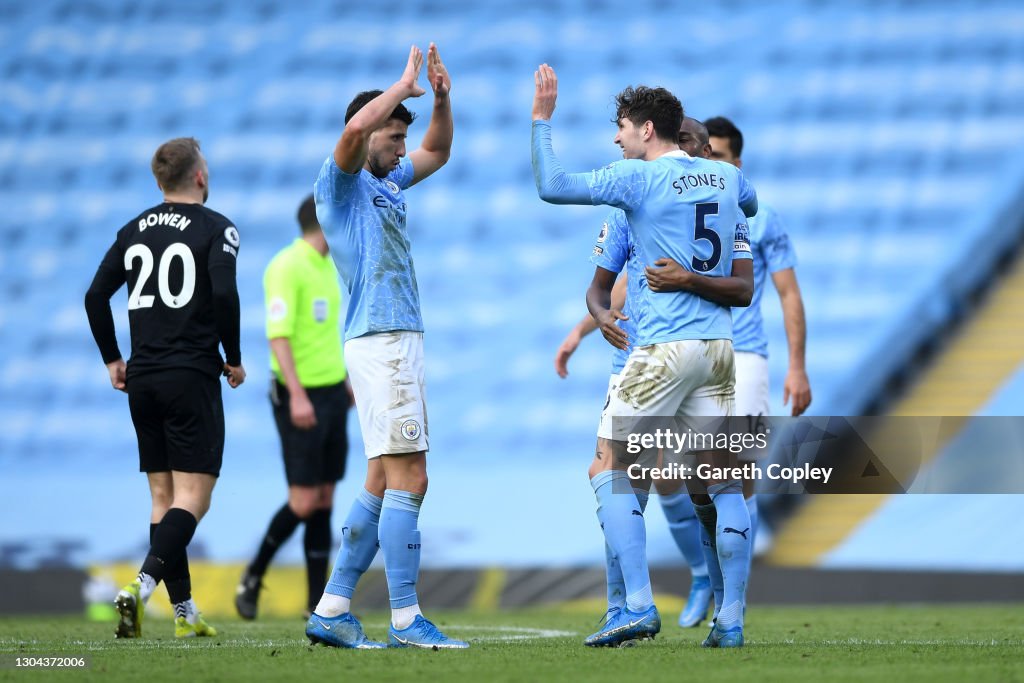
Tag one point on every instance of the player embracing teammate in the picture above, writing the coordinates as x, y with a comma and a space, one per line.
682, 363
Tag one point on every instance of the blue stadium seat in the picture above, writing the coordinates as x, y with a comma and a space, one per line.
858, 117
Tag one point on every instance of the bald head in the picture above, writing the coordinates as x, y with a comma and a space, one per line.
693, 138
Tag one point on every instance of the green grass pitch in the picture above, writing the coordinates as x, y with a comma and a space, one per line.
906, 643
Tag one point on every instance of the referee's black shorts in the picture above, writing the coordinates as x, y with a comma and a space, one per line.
179, 420
313, 456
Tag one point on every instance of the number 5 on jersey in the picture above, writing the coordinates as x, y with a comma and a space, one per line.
136, 299
702, 232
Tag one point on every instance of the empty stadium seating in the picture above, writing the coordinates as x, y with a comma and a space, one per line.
887, 134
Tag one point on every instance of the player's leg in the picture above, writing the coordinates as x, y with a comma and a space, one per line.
404, 445
731, 526
620, 510
685, 530
301, 503
649, 385
752, 401
331, 621
316, 545
371, 361
178, 580
300, 449
331, 406
147, 418
192, 495
614, 581
194, 429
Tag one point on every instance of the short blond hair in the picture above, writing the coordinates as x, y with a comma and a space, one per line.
173, 161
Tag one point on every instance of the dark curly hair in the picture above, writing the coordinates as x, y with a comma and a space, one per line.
657, 105
363, 98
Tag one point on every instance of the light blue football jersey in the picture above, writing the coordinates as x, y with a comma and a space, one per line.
363, 219
772, 251
613, 252
687, 209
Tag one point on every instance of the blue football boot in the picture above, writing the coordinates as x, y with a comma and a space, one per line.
697, 603
624, 626
423, 634
340, 631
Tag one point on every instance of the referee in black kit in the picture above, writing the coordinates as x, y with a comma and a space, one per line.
178, 260
310, 398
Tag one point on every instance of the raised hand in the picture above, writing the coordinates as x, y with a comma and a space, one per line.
411, 75
545, 92
437, 74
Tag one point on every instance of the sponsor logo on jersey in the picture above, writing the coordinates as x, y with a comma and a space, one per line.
320, 310
411, 430
742, 240
598, 251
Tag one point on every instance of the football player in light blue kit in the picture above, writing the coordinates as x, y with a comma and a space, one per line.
682, 361
361, 208
611, 251
773, 253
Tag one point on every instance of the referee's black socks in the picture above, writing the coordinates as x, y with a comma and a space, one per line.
317, 544
177, 579
170, 539
281, 528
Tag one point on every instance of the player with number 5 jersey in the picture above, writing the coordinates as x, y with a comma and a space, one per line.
178, 260
693, 211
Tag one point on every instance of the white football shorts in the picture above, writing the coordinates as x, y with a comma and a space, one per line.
690, 378
752, 384
386, 372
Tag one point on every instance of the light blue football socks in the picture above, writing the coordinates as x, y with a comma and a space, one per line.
621, 515
358, 548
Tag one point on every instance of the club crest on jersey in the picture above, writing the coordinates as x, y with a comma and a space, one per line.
320, 310
411, 430
231, 236
393, 186
603, 235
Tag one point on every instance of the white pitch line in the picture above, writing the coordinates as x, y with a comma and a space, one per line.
515, 634
519, 633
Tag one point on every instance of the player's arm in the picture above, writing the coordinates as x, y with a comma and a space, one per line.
666, 275
350, 152
436, 147
554, 185
220, 264
585, 327
747, 196
599, 303
299, 406
108, 279
282, 301
797, 386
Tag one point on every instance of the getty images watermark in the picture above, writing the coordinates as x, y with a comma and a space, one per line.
671, 448
825, 454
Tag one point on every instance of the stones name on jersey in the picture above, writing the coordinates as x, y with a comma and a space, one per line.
689, 181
